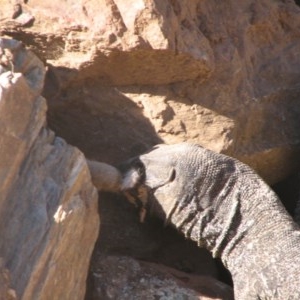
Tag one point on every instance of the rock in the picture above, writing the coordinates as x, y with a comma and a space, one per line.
48, 206
119, 277
118, 38
194, 70
6, 293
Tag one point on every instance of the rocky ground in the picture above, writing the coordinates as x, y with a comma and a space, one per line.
107, 80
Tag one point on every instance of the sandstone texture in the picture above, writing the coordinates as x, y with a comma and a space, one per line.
48, 205
125, 75
224, 75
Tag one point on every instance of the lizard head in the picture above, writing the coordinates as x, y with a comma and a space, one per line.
153, 179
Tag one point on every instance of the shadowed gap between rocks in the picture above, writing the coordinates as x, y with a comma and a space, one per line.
122, 234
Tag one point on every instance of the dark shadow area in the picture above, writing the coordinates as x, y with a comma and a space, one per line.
150, 241
99, 120
289, 192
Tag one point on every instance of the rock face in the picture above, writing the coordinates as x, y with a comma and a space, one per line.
125, 278
171, 71
6, 293
48, 206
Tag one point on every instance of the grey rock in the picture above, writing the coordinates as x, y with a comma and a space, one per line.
125, 278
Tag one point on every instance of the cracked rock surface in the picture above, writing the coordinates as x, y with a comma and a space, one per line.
48, 206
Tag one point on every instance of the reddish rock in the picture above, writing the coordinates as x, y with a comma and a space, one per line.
48, 205
195, 71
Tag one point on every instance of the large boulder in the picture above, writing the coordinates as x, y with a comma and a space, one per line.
48, 205
124, 278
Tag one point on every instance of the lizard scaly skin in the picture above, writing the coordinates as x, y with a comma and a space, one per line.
224, 206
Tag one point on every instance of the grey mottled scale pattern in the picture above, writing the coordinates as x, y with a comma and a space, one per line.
224, 206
